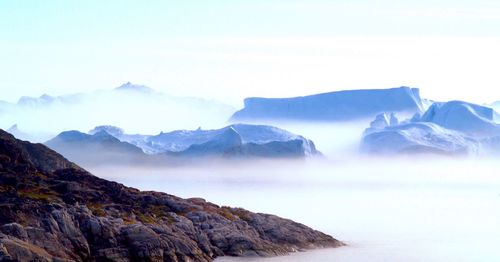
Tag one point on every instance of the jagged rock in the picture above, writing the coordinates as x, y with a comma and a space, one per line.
53, 210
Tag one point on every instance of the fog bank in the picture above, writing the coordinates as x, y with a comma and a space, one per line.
385, 209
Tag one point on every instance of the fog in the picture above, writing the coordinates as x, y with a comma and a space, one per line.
385, 208
142, 112
405, 209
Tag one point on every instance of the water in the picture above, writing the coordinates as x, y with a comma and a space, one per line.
384, 209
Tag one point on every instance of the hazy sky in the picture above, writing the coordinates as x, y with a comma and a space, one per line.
228, 50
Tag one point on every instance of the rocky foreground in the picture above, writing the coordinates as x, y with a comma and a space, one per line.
53, 210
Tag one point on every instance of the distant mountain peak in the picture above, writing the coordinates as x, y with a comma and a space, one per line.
112, 130
44, 99
14, 127
135, 88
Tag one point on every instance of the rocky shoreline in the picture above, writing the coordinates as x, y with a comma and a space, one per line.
53, 210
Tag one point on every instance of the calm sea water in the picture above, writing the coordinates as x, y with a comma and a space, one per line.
384, 209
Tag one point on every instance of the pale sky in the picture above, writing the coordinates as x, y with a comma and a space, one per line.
228, 50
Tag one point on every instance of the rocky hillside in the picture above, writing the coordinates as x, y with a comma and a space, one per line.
47, 203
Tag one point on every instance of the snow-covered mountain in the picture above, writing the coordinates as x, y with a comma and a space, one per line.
111, 145
181, 140
228, 142
465, 117
334, 106
134, 107
415, 137
452, 127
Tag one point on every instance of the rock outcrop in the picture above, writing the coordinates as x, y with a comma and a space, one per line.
53, 210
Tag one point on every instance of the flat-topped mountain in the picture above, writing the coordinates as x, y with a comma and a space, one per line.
53, 210
334, 106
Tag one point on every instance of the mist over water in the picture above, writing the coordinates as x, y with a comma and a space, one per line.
134, 111
386, 208
63, 63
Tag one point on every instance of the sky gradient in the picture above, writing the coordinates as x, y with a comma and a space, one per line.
228, 50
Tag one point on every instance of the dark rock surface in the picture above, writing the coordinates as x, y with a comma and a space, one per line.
52, 210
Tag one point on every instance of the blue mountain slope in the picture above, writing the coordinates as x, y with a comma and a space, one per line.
99, 148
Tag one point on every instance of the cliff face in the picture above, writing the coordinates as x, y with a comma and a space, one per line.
52, 210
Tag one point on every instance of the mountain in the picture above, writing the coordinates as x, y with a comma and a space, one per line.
14, 130
450, 127
53, 210
230, 143
129, 87
333, 106
255, 138
468, 118
98, 148
454, 127
218, 145
415, 137
39, 101
110, 145
181, 139
130, 106
112, 130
